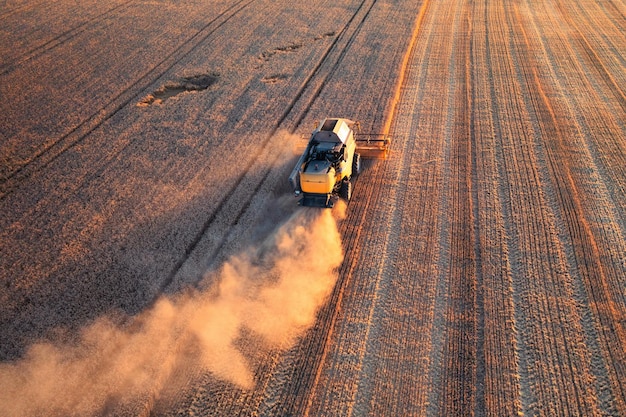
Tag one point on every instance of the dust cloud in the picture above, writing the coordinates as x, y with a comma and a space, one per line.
272, 291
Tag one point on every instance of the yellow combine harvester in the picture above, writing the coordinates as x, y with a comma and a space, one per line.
332, 158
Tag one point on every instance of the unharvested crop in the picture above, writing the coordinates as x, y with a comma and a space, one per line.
273, 291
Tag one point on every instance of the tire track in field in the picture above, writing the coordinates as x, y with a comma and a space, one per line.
460, 330
341, 54
452, 356
612, 47
498, 385
17, 9
569, 392
308, 84
56, 148
598, 279
59, 39
504, 207
617, 11
602, 129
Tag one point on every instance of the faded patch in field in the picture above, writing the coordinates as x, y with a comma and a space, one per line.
273, 79
290, 48
176, 87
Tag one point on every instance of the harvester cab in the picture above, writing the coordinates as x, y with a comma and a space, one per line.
332, 158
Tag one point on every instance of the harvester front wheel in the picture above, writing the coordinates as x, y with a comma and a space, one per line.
345, 191
356, 165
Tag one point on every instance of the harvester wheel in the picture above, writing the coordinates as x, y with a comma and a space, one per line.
345, 191
356, 165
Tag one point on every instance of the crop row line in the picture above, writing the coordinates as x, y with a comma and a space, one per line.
457, 265
539, 198
597, 282
515, 361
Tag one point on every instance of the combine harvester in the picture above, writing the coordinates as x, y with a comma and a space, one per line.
332, 158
